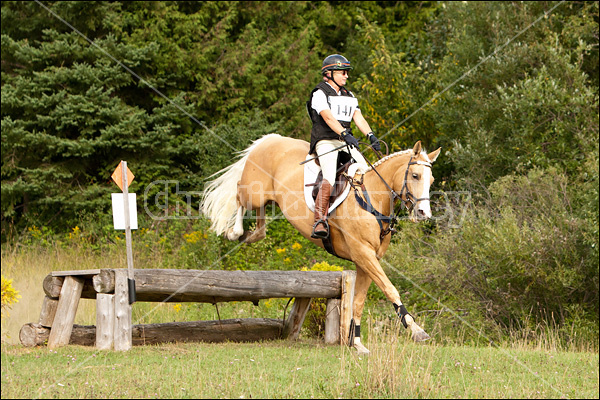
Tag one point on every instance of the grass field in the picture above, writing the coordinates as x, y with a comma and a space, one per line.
396, 368
445, 367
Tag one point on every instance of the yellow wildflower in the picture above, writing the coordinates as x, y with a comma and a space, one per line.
280, 251
9, 294
296, 246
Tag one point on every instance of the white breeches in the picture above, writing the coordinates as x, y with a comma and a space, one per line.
329, 161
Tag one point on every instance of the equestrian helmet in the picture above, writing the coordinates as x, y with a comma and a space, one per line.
335, 62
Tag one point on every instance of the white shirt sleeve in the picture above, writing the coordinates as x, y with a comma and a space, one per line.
357, 107
319, 101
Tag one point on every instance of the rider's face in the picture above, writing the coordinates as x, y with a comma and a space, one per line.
340, 77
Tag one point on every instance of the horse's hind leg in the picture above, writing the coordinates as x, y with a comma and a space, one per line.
363, 281
261, 228
238, 228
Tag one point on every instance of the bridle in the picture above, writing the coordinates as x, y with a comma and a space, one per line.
410, 198
392, 218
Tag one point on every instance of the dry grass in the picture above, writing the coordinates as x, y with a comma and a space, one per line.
28, 267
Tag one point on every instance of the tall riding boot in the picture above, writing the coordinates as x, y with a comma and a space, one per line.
321, 227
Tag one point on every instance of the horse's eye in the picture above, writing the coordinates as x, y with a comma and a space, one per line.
415, 176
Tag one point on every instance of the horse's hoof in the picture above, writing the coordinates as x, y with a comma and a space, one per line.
361, 350
233, 235
250, 237
421, 336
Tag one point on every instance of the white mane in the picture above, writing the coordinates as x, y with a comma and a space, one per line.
398, 153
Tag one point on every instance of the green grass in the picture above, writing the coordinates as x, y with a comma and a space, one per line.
527, 364
397, 368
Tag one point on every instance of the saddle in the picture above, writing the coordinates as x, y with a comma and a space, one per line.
344, 162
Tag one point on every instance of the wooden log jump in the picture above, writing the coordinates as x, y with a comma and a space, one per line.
233, 330
114, 329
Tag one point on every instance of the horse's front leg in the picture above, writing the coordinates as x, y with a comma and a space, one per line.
366, 260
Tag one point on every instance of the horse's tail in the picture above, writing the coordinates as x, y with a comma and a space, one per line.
219, 200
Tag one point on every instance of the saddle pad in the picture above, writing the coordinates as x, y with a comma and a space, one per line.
311, 170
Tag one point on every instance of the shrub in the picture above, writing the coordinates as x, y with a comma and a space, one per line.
316, 315
522, 257
9, 295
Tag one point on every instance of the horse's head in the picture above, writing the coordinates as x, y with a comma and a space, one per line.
415, 182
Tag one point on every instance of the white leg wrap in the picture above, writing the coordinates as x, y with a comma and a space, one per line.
238, 229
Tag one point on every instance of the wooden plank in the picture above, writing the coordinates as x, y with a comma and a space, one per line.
348, 279
122, 332
49, 306
65, 312
332, 321
232, 330
82, 272
105, 321
220, 286
293, 324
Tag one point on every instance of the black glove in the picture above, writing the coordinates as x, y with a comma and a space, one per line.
349, 139
374, 141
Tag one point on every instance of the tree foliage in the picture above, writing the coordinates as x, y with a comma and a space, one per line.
508, 89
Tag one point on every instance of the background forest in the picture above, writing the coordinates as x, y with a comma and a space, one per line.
509, 90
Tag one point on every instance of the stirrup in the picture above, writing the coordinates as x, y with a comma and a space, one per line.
321, 234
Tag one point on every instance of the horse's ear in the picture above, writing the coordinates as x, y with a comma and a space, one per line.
417, 148
434, 155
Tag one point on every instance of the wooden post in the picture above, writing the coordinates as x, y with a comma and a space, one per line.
291, 329
332, 321
130, 277
122, 332
48, 312
105, 321
348, 278
65, 312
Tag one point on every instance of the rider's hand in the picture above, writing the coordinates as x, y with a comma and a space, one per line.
349, 139
374, 141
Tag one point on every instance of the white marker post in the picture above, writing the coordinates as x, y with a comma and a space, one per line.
123, 177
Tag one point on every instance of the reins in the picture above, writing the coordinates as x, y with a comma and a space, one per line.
392, 219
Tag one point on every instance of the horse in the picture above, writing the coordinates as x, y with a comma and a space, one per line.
270, 171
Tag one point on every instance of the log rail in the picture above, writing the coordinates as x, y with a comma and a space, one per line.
114, 329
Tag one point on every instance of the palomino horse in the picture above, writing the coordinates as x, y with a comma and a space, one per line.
269, 171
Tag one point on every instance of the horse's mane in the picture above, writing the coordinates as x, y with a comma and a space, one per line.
396, 154
384, 159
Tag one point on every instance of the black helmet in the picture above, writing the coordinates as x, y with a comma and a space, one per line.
335, 62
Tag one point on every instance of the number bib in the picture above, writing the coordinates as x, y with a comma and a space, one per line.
343, 107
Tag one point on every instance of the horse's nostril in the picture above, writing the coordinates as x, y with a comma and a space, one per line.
421, 214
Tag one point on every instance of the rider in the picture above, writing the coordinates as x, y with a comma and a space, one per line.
332, 108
